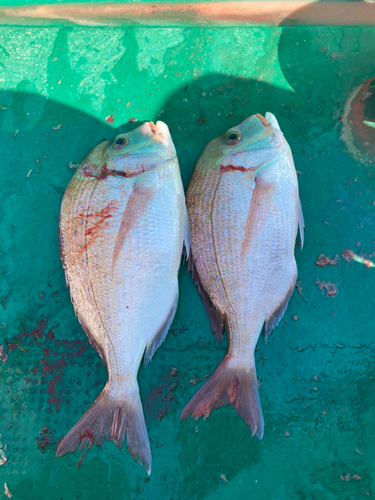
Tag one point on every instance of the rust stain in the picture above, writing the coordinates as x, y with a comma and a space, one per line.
358, 136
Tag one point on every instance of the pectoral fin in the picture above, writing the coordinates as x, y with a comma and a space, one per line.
259, 210
137, 203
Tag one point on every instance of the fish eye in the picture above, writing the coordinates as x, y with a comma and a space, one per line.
120, 142
233, 137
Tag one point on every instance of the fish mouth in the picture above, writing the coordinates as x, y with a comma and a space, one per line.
154, 128
159, 131
264, 121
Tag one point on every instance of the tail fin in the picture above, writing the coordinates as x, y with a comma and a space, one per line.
108, 419
229, 385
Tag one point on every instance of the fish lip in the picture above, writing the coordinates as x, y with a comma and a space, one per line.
154, 128
264, 120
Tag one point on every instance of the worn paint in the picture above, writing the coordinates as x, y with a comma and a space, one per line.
196, 13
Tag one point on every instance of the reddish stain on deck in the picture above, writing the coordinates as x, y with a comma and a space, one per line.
161, 399
56, 356
46, 439
36, 334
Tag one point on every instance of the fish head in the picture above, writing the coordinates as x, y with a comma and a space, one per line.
140, 150
252, 145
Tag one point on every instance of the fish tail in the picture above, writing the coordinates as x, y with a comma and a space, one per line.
229, 385
109, 419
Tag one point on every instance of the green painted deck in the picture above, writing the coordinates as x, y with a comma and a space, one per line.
58, 88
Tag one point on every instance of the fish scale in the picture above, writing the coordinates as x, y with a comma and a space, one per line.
123, 224
244, 212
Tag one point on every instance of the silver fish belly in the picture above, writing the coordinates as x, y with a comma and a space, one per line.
123, 223
244, 212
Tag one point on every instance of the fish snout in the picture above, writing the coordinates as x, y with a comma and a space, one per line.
264, 121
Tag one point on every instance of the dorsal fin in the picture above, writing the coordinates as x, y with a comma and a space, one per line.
216, 320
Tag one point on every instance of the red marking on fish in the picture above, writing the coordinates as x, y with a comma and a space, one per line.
88, 171
118, 173
95, 172
235, 168
89, 435
98, 222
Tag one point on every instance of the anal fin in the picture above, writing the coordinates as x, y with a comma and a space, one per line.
92, 341
273, 320
160, 336
215, 318
185, 227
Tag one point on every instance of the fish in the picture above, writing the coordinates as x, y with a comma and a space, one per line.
244, 209
123, 229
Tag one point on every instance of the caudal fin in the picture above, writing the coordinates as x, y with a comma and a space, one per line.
229, 385
109, 419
